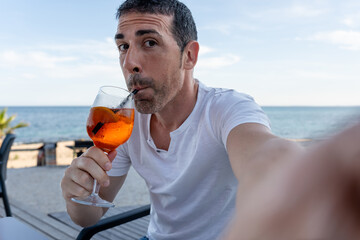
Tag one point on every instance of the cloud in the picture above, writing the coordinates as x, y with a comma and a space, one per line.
89, 61
209, 58
205, 50
28, 76
217, 62
352, 20
55, 56
304, 11
36, 59
349, 40
221, 28
289, 12
105, 48
228, 28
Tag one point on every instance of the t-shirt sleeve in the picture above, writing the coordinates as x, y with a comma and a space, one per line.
121, 164
232, 109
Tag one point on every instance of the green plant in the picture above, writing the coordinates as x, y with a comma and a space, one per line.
5, 122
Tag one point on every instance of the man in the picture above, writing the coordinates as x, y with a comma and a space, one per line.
192, 144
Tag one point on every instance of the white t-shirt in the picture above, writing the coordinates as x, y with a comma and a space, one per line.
192, 186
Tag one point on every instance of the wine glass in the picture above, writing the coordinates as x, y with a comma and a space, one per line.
110, 123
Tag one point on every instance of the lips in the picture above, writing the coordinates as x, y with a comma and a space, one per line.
142, 93
139, 88
138, 82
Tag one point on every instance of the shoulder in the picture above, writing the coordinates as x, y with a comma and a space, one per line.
224, 94
225, 109
223, 99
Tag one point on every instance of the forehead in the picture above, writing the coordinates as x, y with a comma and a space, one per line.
136, 21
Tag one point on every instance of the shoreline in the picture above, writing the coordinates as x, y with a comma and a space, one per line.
25, 155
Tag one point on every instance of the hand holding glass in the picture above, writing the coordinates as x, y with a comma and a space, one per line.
110, 123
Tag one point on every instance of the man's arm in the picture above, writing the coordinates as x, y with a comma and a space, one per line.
315, 196
78, 182
253, 145
255, 153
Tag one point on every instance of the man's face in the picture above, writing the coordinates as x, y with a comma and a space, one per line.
150, 59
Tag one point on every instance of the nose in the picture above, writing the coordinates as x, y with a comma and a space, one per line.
132, 61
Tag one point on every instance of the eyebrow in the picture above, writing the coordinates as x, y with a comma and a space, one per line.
119, 36
138, 33
146, 31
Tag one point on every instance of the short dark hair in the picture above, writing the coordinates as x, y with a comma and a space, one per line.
183, 27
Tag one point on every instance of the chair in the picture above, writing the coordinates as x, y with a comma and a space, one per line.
113, 221
4, 156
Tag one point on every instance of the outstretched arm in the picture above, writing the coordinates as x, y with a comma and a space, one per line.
312, 195
253, 150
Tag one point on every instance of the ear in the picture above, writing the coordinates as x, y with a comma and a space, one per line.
190, 54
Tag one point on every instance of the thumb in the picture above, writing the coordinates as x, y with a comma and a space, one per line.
111, 155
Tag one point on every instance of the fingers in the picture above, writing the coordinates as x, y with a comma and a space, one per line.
95, 162
79, 177
112, 155
101, 158
76, 183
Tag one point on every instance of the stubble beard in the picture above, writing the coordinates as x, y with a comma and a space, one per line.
150, 106
162, 94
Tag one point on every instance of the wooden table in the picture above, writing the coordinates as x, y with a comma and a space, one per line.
11, 228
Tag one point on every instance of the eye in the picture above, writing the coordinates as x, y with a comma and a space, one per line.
150, 43
123, 47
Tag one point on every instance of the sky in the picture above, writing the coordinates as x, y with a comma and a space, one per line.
283, 53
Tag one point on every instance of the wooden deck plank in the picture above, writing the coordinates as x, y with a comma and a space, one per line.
132, 230
136, 228
42, 226
64, 218
60, 226
52, 227
141, 225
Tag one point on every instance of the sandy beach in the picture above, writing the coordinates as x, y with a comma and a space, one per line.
24, 159
39, 186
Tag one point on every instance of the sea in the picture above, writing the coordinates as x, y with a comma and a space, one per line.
53, 124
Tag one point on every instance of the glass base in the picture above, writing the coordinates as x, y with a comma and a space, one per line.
94, 200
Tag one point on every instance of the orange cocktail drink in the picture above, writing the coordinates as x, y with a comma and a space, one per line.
109, 128
110, 123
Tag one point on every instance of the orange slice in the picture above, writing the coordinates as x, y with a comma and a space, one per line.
103, 114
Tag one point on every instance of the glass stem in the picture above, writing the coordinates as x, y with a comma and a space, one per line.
96, 188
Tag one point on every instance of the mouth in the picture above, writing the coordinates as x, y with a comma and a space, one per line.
139, 88
142, 92
139, 83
